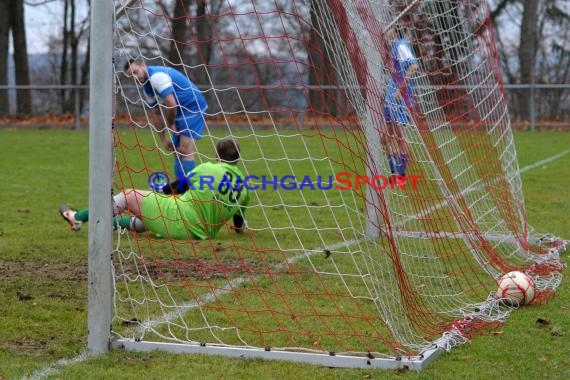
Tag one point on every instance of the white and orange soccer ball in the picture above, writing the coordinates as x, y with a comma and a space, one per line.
515, 289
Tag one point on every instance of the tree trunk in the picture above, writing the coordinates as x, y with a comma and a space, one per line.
527, 54
204, 32
179, 27
320, 100
4, 56
64, 47
17, 24
74, 47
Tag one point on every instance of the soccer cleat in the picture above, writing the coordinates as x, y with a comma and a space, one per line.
68, 215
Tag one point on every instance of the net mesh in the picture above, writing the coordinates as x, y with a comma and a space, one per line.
329, 263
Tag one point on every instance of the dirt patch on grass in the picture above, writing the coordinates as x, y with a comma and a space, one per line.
37, 292
178, 270
169, 270
28, 346
32, 268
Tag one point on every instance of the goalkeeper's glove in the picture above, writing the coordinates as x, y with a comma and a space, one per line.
239, 223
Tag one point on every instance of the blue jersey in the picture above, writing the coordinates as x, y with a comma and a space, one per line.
398, 93
163, 81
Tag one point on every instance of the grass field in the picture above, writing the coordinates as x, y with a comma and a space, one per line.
43, 286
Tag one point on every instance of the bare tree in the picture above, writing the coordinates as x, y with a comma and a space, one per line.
178, 29
319, 58
527, 54
204, 30
24, 97
63, 68
72, 36
12, 19
137, 30
542, 52
552, 60
4, 46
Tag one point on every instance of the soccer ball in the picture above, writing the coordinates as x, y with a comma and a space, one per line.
515, 289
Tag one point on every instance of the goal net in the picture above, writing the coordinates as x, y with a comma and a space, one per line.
342, 263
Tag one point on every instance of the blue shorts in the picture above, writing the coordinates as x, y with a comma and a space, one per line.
396, 108
396, 113
189, 125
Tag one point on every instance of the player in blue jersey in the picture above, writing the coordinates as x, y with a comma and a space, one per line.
399, 101
181, 113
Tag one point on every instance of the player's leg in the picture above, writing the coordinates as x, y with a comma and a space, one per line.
396, 147
392, 147
131, 223
70, 216
401, 119
128, 199
387, 138
184, 163
190, 128
402, 150
184, 160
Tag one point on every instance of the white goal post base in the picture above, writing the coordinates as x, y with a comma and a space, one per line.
415, 363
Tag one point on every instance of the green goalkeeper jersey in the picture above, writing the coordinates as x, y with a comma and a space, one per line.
216, 194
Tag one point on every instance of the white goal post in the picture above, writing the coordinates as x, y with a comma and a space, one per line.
100, 290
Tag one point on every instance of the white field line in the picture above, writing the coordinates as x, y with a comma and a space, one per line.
230, 286
58, 366
61, 364
441, 204
545, 161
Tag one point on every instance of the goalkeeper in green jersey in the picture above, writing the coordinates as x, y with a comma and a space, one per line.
216, 194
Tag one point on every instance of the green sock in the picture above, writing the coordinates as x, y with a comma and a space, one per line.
123, 221
82, 215
131, 223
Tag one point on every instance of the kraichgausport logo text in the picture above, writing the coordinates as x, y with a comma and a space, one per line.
340, 181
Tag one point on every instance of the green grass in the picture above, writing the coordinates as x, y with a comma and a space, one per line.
43, 282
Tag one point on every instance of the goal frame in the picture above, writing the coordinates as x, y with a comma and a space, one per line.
100, 266
100, 289
333, 360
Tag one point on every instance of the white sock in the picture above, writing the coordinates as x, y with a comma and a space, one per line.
119, 203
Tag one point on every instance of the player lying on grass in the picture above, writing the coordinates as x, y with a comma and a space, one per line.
198, 213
